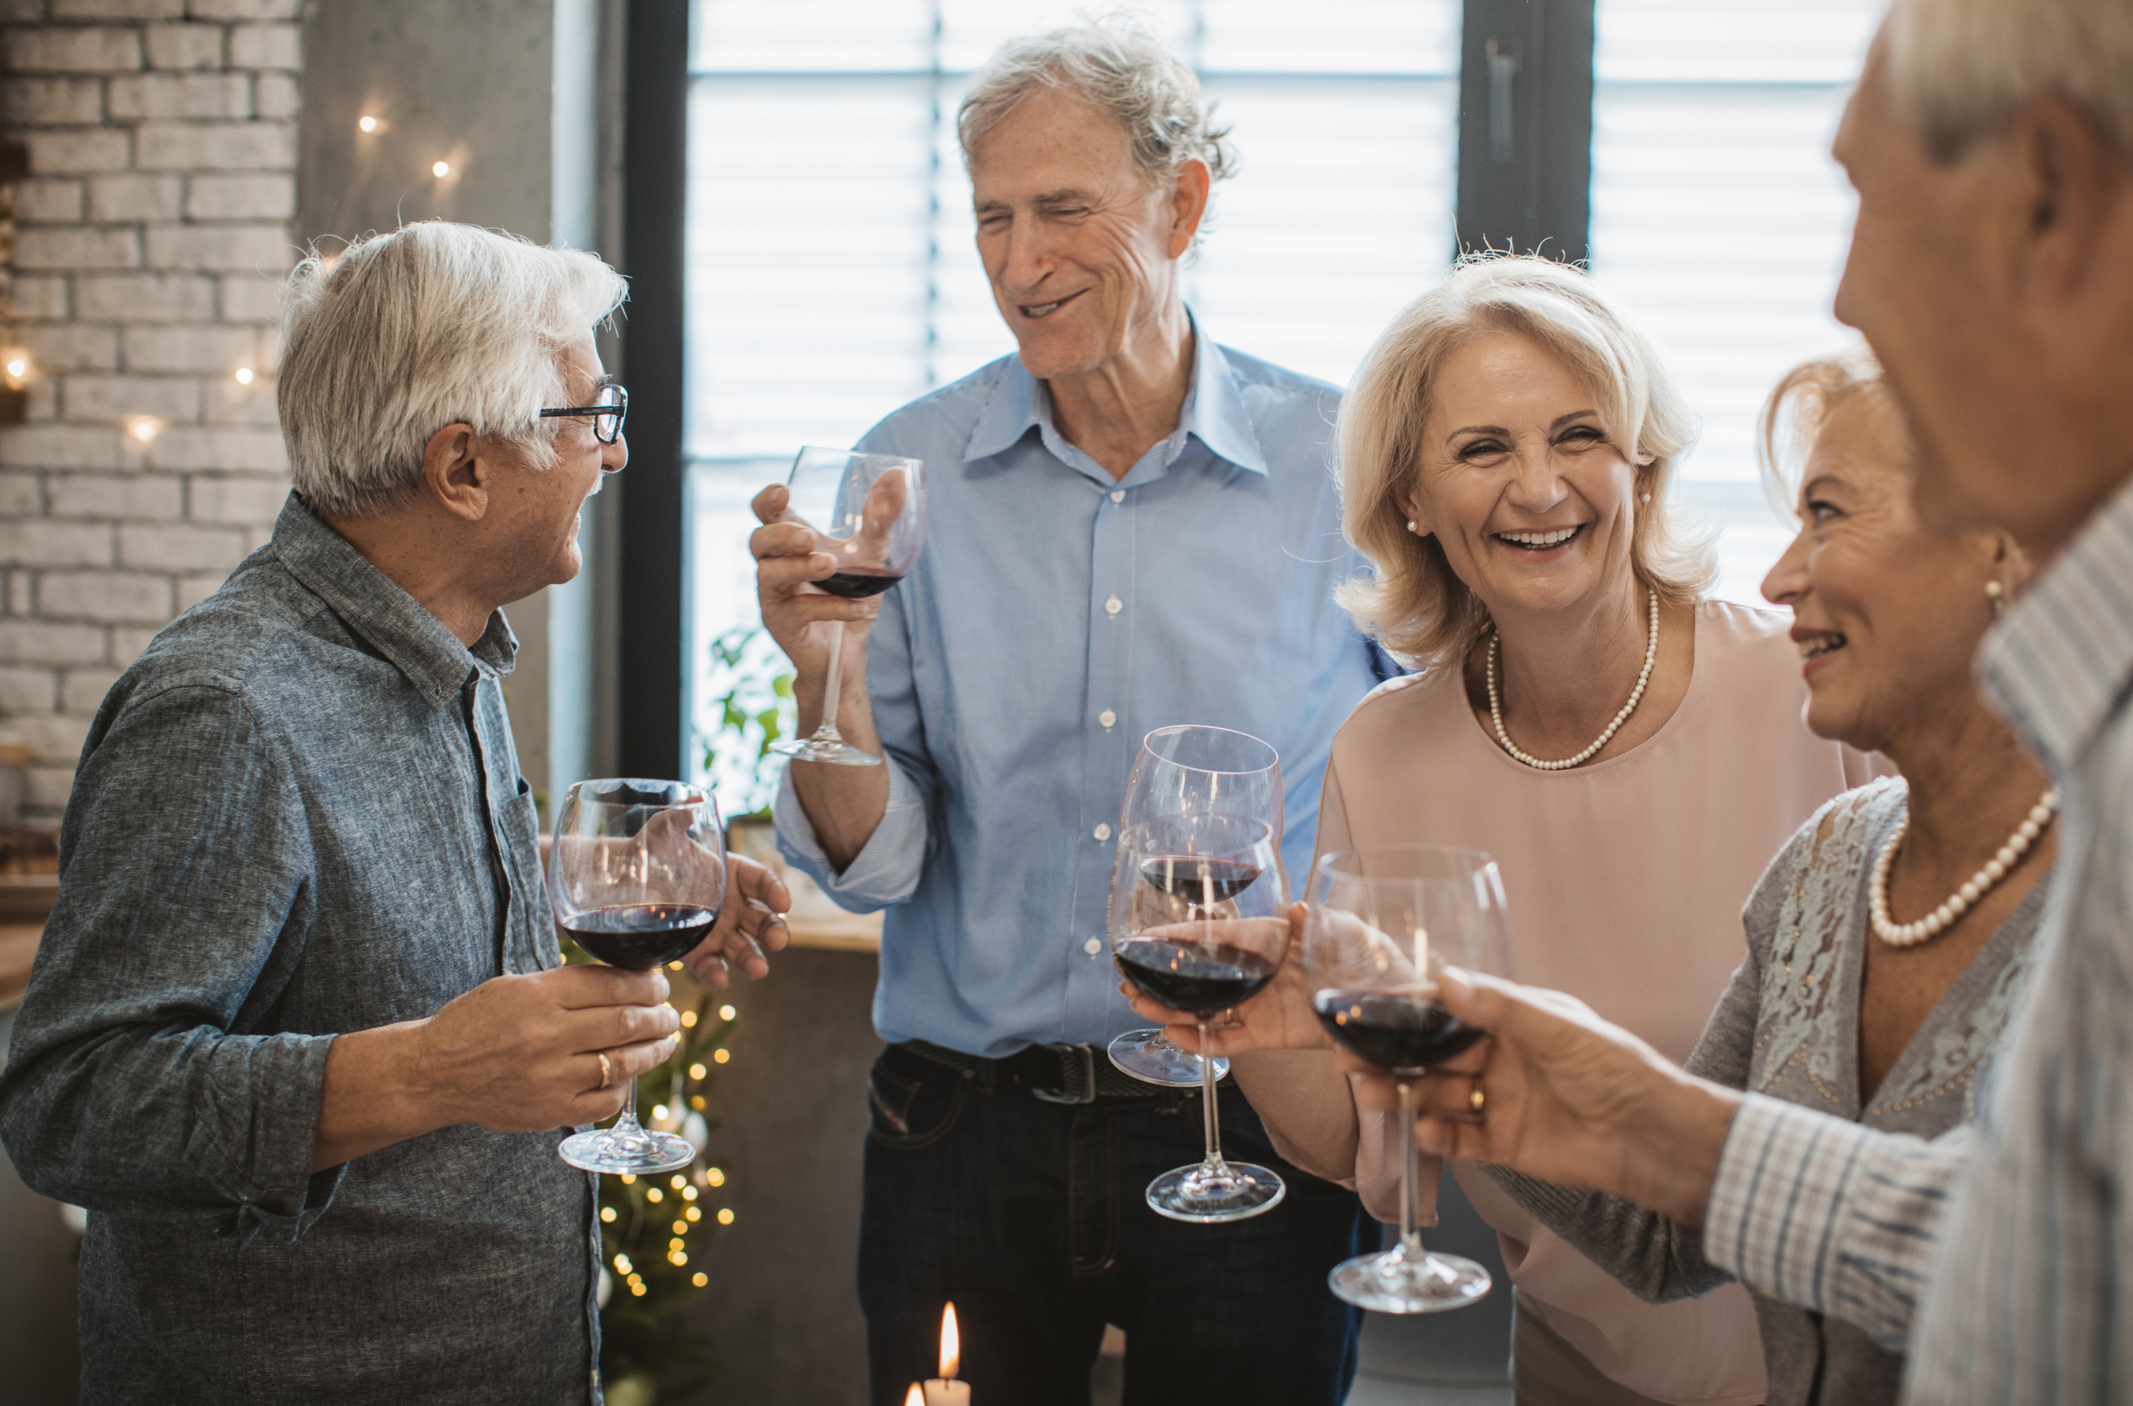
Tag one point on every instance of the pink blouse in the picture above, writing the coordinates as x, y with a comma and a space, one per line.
1625, 880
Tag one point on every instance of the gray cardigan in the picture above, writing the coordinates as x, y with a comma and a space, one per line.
1788, 1026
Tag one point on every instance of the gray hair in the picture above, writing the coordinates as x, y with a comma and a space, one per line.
1120, 69
1959, 70
401, 334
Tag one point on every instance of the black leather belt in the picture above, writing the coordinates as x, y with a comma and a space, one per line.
1052, 1073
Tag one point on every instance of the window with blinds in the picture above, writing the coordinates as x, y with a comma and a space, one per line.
1717, 211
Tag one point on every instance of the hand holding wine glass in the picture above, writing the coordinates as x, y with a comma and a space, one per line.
1278, 1018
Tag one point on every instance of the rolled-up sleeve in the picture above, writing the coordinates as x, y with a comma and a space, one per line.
132, 1084
885, 871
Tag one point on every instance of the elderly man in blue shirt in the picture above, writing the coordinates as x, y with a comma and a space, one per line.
1130, 527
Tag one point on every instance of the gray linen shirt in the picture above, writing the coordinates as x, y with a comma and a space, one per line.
1788, 1027
299, 813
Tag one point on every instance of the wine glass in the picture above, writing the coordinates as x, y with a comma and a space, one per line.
1381, 924
1201, 927
636, 875
869, 512
1188, 770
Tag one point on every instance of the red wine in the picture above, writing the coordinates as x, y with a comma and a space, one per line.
1198, 879
1393, 1032
858, 585
640, 935
1188, 977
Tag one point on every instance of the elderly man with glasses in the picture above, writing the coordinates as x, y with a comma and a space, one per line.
299, 1036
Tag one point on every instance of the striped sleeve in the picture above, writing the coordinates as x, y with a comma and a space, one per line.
1829, 1215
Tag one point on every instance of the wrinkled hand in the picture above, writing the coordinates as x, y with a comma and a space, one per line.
787, 563
751, 924
1278, 1018
520, 1053
1568, 1098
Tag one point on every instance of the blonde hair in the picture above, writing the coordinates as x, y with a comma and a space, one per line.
1801, 404
1959, 70
401, 334
1412, 603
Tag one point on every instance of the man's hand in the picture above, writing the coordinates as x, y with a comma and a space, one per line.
751, 924
1278, 1018
517, 1053
1565, 1097
786, 565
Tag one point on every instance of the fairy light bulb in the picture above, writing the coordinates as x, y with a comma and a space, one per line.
441, 169
244, 375
367, 123
18, 368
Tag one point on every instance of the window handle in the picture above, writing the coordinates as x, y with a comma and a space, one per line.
1502, 67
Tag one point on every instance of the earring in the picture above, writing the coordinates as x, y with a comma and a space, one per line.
1412, 528
1647, 497
1997, 594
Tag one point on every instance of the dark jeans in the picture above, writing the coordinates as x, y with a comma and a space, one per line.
1031, 1217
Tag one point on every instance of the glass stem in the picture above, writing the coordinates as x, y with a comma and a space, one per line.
1410, 1173
836, 683
1207, 1100
627, 1127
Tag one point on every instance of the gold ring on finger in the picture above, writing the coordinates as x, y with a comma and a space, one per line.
607, 1071
1476, 1099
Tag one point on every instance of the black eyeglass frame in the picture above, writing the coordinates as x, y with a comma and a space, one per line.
620, 409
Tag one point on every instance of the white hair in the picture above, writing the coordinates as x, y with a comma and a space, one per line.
1118, 68
1959, 70
401, 334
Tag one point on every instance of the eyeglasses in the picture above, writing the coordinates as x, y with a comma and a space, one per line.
608, 415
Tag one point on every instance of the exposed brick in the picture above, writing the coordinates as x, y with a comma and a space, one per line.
210, 350
45, 543
82, 691
181, 95
238, 500
276, 95
37, 297
113, 597
53, 739
216, 146
115, 397
194, 589
228, 448
68, 346
95, 149
58, 201
266, 46
185, 45
53, 102
257, 248
76, 247
115, 496
50, 787
119, 199
246, 9
21, 590
241, 198
58, 447
74, 50
251, 298
128, 641
18, 495
179, 547
21, 11
27, 691
118, 9
144, 297
43, 400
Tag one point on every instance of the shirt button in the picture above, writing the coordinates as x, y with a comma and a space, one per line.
1092, 946
1118, 495
1107, 717
1103, 832
1113, 606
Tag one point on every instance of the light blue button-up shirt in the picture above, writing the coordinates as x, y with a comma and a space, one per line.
1055, 618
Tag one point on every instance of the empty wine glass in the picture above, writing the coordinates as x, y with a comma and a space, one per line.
1381, 925
1191, 770
636, 875
869, 512
1202, 927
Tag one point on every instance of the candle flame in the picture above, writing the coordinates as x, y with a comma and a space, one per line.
914, 1397
951, 1344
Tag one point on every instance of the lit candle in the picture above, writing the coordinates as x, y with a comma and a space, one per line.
945, 1390
914, 1397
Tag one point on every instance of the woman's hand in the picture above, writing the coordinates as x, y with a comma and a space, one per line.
1278, 1018
751, 923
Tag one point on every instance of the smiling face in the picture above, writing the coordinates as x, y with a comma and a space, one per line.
1521, 481
1886, 612
1082, 255
535, 511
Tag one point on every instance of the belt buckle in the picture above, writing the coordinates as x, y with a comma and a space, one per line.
1080, 1075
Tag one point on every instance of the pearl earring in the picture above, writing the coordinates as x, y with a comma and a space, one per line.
1647, 497
1997, 594
1412, 528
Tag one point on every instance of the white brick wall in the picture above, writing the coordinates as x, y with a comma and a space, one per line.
151, 236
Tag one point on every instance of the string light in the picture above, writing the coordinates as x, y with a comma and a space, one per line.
144, 428
688, 1193
699, 1279
244, 375
725, 1215
692, 1215
727, 1013
688, 1019
659, 1111
696, 1101
714, 1176
440, 171
697, 1071
654, 1195
720, 1056
367, 123
607, 1213
18, 368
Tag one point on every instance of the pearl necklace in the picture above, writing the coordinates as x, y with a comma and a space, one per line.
1651, 652
1974, 888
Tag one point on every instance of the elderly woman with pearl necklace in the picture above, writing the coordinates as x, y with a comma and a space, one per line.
1630, 752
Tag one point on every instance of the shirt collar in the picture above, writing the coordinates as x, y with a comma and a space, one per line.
2058, 665
387, 618
1214, 411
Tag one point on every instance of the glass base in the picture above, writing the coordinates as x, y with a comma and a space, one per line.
618, 1150
1152, 1059
1397, 1282
825, 749
1211, 1193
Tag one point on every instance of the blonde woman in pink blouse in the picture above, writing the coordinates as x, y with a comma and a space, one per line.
1631, 753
